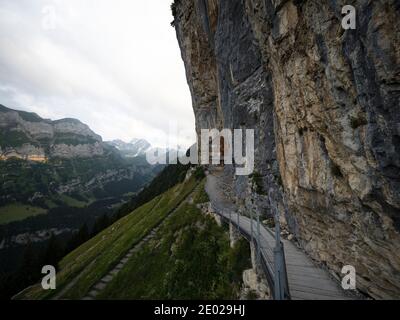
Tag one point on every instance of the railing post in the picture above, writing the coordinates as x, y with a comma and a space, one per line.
251, 226
281, 287
258, 239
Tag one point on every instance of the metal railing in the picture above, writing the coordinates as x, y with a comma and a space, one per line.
271, 260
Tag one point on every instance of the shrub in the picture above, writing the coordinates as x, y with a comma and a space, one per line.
257, 182
199, 173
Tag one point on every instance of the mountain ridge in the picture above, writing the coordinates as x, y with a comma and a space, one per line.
27, 136
41, 157
136, 147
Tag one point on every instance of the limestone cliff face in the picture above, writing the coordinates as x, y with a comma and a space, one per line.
26, 135
324, 103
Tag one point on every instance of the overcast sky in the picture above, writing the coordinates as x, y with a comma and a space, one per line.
114, 65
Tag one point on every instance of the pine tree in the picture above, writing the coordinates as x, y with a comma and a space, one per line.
77, 239
83, 234
29, 271
53, 252
100, 224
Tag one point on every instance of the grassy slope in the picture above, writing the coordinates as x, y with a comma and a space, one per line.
189, 258
95, 257
17, 212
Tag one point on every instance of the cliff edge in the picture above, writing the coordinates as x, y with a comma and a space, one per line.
324, 104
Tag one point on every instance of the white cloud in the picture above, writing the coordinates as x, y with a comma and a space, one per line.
114, 65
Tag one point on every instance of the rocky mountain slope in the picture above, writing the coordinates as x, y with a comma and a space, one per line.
41, 158
324, 105
25, 135
57, 177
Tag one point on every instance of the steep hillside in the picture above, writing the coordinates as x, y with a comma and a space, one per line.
57, 177
40, 160
164, 249
323, 102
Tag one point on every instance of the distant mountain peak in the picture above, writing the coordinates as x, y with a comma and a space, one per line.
136, 147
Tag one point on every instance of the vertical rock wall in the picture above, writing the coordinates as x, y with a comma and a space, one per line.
324, 103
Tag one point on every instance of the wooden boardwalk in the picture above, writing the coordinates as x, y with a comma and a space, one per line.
307, 281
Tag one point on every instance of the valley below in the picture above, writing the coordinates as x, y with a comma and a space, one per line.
53, 187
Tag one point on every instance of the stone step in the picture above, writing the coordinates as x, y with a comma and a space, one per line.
125, 260
100, 286
114, 271
107, 278
93, 293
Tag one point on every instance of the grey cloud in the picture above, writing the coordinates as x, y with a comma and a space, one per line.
114, 65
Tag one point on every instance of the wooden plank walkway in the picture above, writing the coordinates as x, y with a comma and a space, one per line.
307, 281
